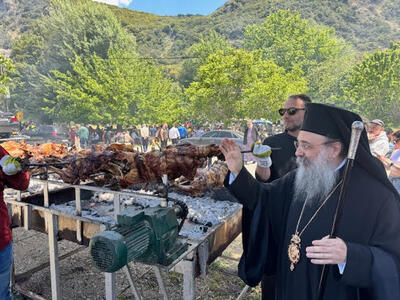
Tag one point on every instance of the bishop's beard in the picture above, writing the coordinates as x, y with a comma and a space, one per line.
314, 179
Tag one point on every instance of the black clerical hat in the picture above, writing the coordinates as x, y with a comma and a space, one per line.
335, 123
330, 121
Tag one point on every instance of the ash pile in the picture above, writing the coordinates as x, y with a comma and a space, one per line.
34, 188
204, 212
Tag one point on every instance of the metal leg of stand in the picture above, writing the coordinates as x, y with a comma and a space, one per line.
135, 291
160, 280
111, 286
243, 293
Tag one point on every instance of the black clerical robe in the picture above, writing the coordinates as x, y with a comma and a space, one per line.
370, 218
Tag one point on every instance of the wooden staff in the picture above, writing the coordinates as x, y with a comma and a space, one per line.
356, 129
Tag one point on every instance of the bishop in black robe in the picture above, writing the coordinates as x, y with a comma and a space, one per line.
369, 220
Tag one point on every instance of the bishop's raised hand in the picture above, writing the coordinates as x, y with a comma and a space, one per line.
233, 156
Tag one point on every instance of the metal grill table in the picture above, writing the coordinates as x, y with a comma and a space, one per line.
34, 213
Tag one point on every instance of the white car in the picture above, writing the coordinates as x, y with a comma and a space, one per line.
214, 137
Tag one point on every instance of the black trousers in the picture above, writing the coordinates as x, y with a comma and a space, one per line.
268, 287
145, 143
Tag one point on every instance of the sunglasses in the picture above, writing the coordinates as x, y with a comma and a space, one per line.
291, 111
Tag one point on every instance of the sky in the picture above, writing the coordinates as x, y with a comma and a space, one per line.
169, 7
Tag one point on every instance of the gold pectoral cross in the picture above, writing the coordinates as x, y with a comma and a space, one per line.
294, 250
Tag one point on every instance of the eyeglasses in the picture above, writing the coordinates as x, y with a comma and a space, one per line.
307, 146
291, 111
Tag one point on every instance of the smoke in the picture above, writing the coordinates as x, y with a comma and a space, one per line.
116, 2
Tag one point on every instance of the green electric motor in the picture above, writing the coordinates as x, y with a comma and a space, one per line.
148, 235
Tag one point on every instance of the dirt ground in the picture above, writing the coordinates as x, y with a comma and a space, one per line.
80, 280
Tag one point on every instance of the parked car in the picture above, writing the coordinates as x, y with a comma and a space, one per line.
214, 137
8, 124
47, 133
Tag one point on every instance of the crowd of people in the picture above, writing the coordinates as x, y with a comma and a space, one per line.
144, 136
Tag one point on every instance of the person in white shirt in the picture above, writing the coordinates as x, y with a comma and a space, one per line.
144, 133
173, 134
378, 141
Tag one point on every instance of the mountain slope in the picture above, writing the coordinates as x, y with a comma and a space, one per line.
368, 24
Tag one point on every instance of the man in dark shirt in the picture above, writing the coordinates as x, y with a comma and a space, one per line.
284, 160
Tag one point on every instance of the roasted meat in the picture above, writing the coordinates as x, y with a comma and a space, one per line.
205, 179
38, 152
174, 161
119, 165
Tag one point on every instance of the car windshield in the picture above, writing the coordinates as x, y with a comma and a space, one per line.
209, 134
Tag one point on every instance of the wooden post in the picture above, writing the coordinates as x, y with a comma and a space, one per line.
117, 207
202, 252
27, 217
189, 282
111, 289
46, 194
52, 225
78, 213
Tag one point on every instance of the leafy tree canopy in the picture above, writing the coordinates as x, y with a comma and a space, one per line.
71, 28
240, 85
6, 67
200, 51
117, 90
373, 85
291, 41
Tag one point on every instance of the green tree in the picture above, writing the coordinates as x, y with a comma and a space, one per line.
292, 42
241, 85
325, 79
121, 89
373, 85
6, 68
71, 28
200, 51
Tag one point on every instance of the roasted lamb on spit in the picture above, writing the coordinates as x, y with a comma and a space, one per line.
118, 165
127, 168
205, 179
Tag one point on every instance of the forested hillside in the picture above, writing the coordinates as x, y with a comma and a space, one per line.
368, 24
75, 60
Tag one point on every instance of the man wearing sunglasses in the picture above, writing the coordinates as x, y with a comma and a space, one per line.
284, 160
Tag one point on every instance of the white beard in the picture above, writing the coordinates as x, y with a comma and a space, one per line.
314, 179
